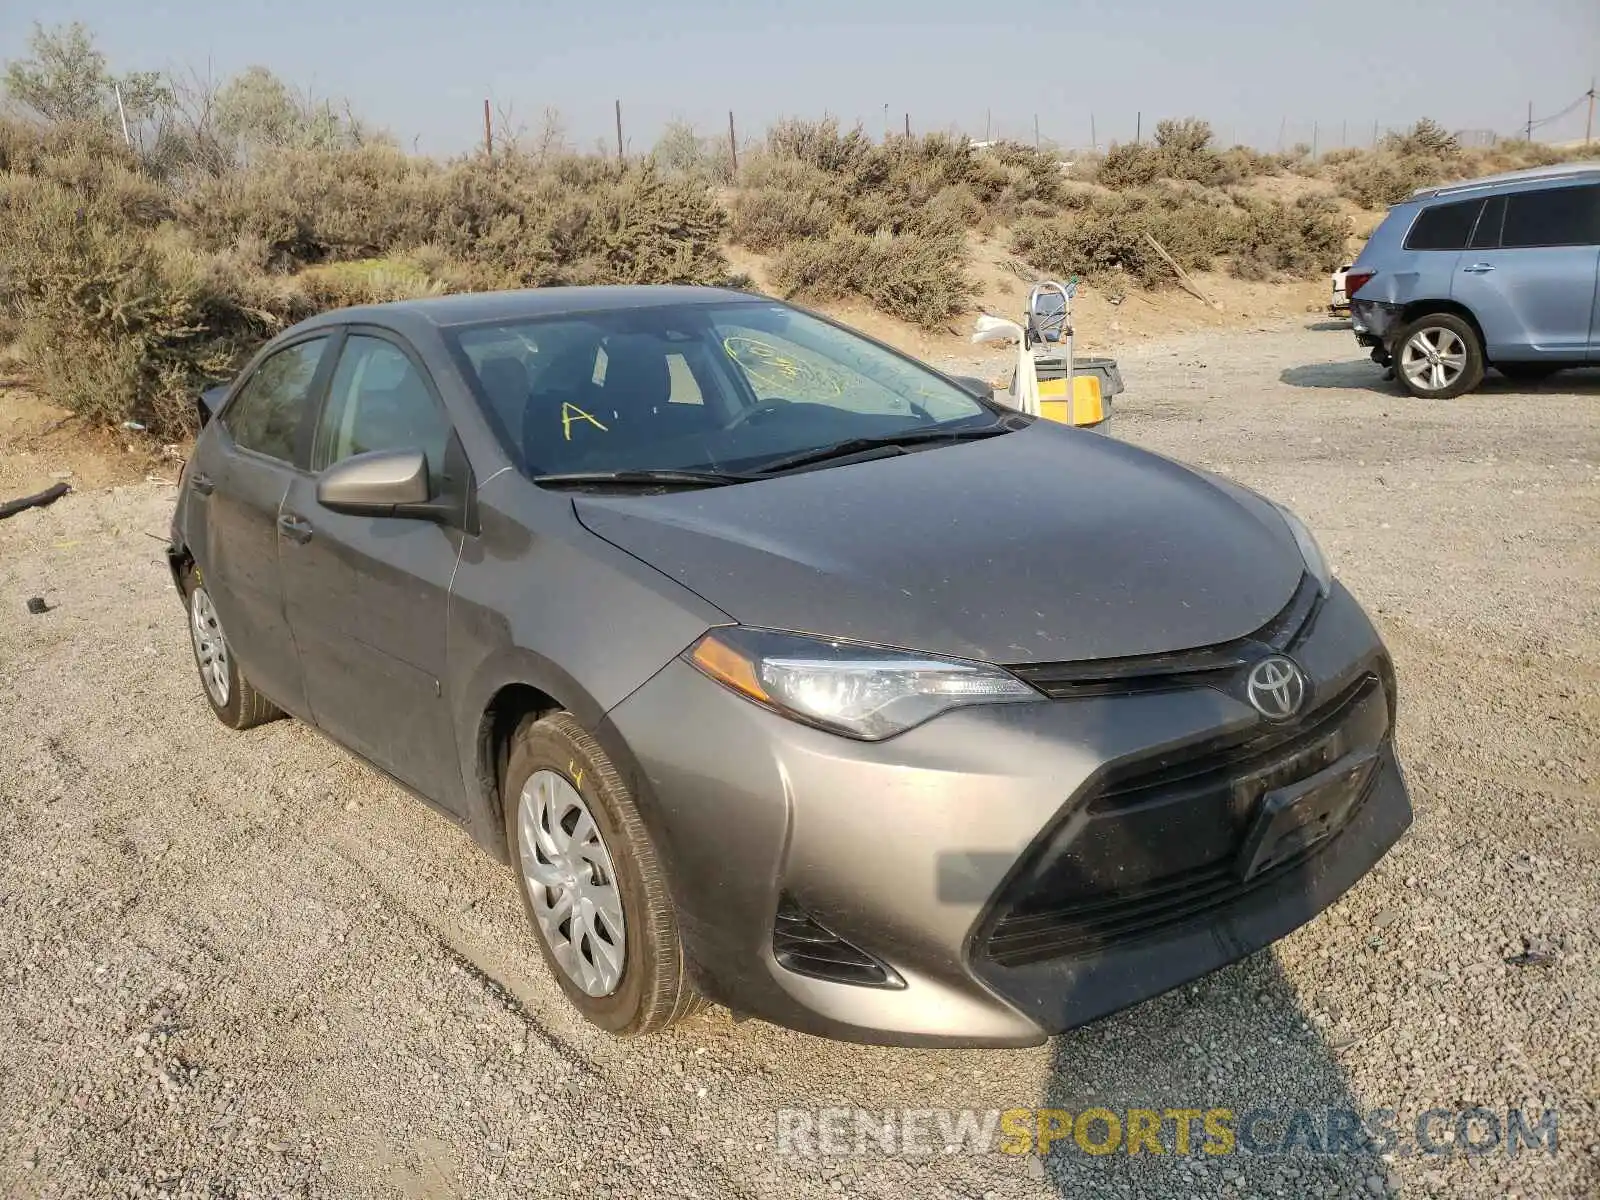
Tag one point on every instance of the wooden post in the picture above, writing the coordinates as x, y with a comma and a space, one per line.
988, 124
733, 144
1588, 126
1138, 128
619, 130
908, 124
488, 130
1530, 121
1313, 141
1035, 131
1374, 133
1094, 141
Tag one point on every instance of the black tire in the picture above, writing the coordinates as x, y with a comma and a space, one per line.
1527, 371
654, 989
243, 707
1441, 325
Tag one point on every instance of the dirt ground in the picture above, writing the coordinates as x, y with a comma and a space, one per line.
240, 965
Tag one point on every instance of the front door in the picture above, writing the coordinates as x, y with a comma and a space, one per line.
1530, 273
368, 597
243, 476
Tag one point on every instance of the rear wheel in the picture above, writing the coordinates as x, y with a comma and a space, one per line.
237, 704
1438, 357
592, 882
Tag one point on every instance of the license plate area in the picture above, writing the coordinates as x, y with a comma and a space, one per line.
1290, 820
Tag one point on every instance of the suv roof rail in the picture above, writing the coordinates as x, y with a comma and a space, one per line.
1589, 166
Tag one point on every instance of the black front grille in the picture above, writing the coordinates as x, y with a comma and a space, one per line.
1156, 843
804, 945
1180, 668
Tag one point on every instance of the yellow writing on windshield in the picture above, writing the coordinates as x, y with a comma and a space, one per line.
571, 412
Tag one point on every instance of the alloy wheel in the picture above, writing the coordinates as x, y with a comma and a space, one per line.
571, 883
1433, 358
210, 647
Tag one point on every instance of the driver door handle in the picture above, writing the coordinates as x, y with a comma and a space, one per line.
296, 529
1479, 268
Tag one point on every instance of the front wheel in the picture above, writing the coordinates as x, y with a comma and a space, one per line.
591, 881
1438, 357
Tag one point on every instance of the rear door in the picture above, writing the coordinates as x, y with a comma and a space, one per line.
1529, 273
263, 431
369, 597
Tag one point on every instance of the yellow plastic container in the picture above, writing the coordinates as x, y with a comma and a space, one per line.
1088, 406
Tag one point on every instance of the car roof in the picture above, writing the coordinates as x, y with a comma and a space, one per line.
1588, 168
469, 308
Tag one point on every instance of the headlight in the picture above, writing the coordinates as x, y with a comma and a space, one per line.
865, 692
1316, 563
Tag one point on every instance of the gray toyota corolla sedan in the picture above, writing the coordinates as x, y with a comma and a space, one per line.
783, 670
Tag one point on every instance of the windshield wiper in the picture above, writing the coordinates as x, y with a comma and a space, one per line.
887, 441
644, 478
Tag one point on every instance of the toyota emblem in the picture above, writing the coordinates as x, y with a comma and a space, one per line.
1276, 687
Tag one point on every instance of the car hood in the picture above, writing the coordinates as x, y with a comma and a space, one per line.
1044, 545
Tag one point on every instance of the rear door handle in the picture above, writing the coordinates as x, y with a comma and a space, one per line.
296, 529
1478, 269
203, 484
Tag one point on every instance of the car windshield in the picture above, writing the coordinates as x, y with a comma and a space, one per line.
697, 387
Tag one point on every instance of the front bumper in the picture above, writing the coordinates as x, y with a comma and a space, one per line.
917, 849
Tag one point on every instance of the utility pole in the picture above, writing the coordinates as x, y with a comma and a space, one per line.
886, 124
1588, 125
1313, 141
488, 130
1344, 131
1035, 131
908, 124
733, 144
1374, 133
1138, 128
988, 125
1530, 121
619, 130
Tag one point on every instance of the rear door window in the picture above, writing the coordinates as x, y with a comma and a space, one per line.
1444, 226
1566, 216
265, 416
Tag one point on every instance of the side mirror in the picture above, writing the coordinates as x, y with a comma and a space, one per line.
381, 483
980, 388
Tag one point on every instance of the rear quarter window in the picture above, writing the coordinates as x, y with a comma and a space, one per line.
1565, 216
1444, 226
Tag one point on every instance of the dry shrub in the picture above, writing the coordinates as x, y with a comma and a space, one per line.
917, 278
1105, 234
118, 322
1304, 238
312, 206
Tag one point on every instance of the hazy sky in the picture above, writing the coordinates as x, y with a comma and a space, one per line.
1252, 67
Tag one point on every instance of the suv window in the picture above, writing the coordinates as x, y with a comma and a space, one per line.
379, 400
1444, 226
265, 415
1568, 216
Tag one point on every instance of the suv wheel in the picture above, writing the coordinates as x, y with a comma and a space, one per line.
1438, 357
591, 881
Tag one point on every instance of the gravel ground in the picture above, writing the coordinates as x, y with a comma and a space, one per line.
240, 965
